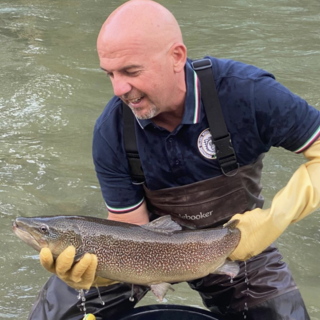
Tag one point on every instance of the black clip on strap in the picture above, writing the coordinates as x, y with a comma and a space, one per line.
220, 135
226, 156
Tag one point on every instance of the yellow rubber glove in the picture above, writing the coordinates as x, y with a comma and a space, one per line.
300, 197
81, 275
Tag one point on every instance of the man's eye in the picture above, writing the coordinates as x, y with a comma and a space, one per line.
133, 73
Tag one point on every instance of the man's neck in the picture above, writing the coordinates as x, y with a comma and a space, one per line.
172, 117
169, 120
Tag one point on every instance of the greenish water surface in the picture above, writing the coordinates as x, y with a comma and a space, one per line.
52, 91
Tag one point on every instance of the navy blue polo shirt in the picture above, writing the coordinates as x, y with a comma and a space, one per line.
259, 113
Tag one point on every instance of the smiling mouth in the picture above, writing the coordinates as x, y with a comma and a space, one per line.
136, 100
133, 102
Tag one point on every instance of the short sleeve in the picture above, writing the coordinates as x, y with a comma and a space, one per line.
112, 170
283, 118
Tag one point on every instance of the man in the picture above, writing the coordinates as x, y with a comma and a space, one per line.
141, 49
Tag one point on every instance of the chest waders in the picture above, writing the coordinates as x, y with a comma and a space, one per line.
263, 289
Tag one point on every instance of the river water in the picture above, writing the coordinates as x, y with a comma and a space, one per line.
52, 91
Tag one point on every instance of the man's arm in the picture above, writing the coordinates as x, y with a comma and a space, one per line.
300, 197
139, 216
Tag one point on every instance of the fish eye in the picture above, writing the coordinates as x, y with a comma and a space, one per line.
44, 228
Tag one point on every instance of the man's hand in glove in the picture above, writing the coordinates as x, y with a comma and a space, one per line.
81, 275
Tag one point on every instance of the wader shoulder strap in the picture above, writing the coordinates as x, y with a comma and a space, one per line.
220, 135
130, 145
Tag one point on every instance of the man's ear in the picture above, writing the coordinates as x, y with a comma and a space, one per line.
179, 55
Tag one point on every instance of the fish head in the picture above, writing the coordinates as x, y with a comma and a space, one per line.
55, 233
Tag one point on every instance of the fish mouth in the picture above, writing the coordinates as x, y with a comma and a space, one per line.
25, 236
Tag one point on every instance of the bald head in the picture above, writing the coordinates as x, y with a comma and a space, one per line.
140, 47
140, 23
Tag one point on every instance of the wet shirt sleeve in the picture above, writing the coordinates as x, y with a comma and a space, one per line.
283, 118
111, 166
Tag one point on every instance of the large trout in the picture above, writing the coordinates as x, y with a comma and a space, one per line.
155, 254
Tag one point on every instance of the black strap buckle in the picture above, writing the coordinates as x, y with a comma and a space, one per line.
201, 64
223, 147
226, 155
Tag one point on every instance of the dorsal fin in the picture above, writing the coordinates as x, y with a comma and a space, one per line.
163, 225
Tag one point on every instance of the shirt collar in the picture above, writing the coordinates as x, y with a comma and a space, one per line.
192, 104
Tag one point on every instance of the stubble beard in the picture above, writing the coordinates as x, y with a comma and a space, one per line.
151, 113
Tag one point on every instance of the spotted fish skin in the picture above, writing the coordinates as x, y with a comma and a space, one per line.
145, 255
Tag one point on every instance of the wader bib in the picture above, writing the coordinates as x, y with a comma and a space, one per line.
263, 289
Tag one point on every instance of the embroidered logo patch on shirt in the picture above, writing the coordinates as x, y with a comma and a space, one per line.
205, 145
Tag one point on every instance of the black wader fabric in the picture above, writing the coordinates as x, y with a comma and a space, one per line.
288, 306
58, 301
211, 202
253, 294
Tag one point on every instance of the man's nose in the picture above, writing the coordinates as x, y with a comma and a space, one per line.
120, 86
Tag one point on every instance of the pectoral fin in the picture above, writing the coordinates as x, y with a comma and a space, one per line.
160, 290
230, 268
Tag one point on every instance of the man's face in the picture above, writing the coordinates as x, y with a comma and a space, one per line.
141, 79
